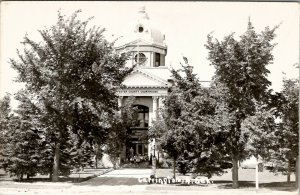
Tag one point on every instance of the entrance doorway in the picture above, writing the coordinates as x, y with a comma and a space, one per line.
136, 148
140, 149
137, 144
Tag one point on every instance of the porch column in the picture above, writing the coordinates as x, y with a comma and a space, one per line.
120, 98
154, 98
123, 147
152, 116
160, 105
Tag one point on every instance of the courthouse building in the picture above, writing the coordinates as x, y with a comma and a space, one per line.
148, 83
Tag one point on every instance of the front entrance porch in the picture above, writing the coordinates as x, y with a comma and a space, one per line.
137, 148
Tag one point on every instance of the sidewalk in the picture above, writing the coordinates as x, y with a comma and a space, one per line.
141, 189
89, 173
128, 173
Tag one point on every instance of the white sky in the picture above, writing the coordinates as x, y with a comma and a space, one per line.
185, 24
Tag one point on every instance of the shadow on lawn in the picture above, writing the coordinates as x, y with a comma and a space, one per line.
281, 186
112, 181
5, 177
73, 178
67, 180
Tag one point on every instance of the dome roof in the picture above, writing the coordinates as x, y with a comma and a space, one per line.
143, 29
157, 36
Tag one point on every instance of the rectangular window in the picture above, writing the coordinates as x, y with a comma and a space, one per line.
157, 59
141, 119
146, 119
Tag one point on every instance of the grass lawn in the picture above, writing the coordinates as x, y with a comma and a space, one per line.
77, 177
267, 180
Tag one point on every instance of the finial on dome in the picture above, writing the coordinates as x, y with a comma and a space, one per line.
142, 9
143, 13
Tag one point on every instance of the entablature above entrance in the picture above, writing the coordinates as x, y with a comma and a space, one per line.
143, 92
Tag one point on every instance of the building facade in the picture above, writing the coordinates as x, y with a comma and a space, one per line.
148, 83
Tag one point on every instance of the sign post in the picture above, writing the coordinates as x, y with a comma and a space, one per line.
256, 175
153, 162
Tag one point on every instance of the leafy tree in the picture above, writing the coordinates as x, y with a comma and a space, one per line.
286, 155
187, 131
259, 132
72, 75
165, 137
28, 149
119, 130
241, 67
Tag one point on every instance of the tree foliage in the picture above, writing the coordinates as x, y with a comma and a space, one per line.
287, 142
241, 67
259, 132
71, 76
188, 131
21, 152
4, 118
119, 131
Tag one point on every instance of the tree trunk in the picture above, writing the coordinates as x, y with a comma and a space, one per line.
56, 163
174, 168
21, 177
96, 156
114, 165
28, 176
120, 155
288, 176
96, 161
154, 165
158, 165
235, 173
297, 172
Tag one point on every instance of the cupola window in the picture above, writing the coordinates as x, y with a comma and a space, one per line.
141, 29
157, 59
140, 58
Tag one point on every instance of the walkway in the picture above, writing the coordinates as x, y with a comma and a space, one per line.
128, 173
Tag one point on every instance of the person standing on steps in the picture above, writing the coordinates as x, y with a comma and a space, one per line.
131, 152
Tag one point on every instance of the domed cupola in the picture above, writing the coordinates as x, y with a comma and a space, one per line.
146, 45
145, 30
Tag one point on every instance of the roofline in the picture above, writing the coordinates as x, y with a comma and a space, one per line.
144, 86
150, 44
151, 76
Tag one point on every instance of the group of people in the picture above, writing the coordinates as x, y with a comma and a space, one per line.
138, 158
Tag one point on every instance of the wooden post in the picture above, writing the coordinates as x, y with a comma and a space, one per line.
297, 172
256, 175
